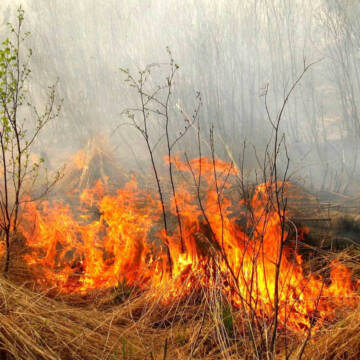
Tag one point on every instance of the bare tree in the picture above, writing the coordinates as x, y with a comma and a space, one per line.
155, 108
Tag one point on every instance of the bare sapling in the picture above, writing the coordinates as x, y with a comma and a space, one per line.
156, 106
263, 334
276, 184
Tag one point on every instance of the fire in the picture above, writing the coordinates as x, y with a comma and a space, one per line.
118, 237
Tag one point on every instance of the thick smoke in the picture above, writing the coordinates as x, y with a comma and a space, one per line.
227, 50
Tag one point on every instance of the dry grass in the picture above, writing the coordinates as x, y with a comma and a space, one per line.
124, 324
338, 341
36, 326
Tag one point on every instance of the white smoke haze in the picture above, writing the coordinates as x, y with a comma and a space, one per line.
227, 50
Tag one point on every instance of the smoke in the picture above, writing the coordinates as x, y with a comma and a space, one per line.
227, 50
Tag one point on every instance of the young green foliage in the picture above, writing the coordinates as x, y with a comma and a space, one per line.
19, 171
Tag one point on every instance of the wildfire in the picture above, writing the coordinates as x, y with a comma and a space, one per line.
111, 238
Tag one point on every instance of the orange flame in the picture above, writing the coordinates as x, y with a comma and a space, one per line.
112, 238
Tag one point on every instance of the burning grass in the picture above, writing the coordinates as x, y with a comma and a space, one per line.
103, 288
